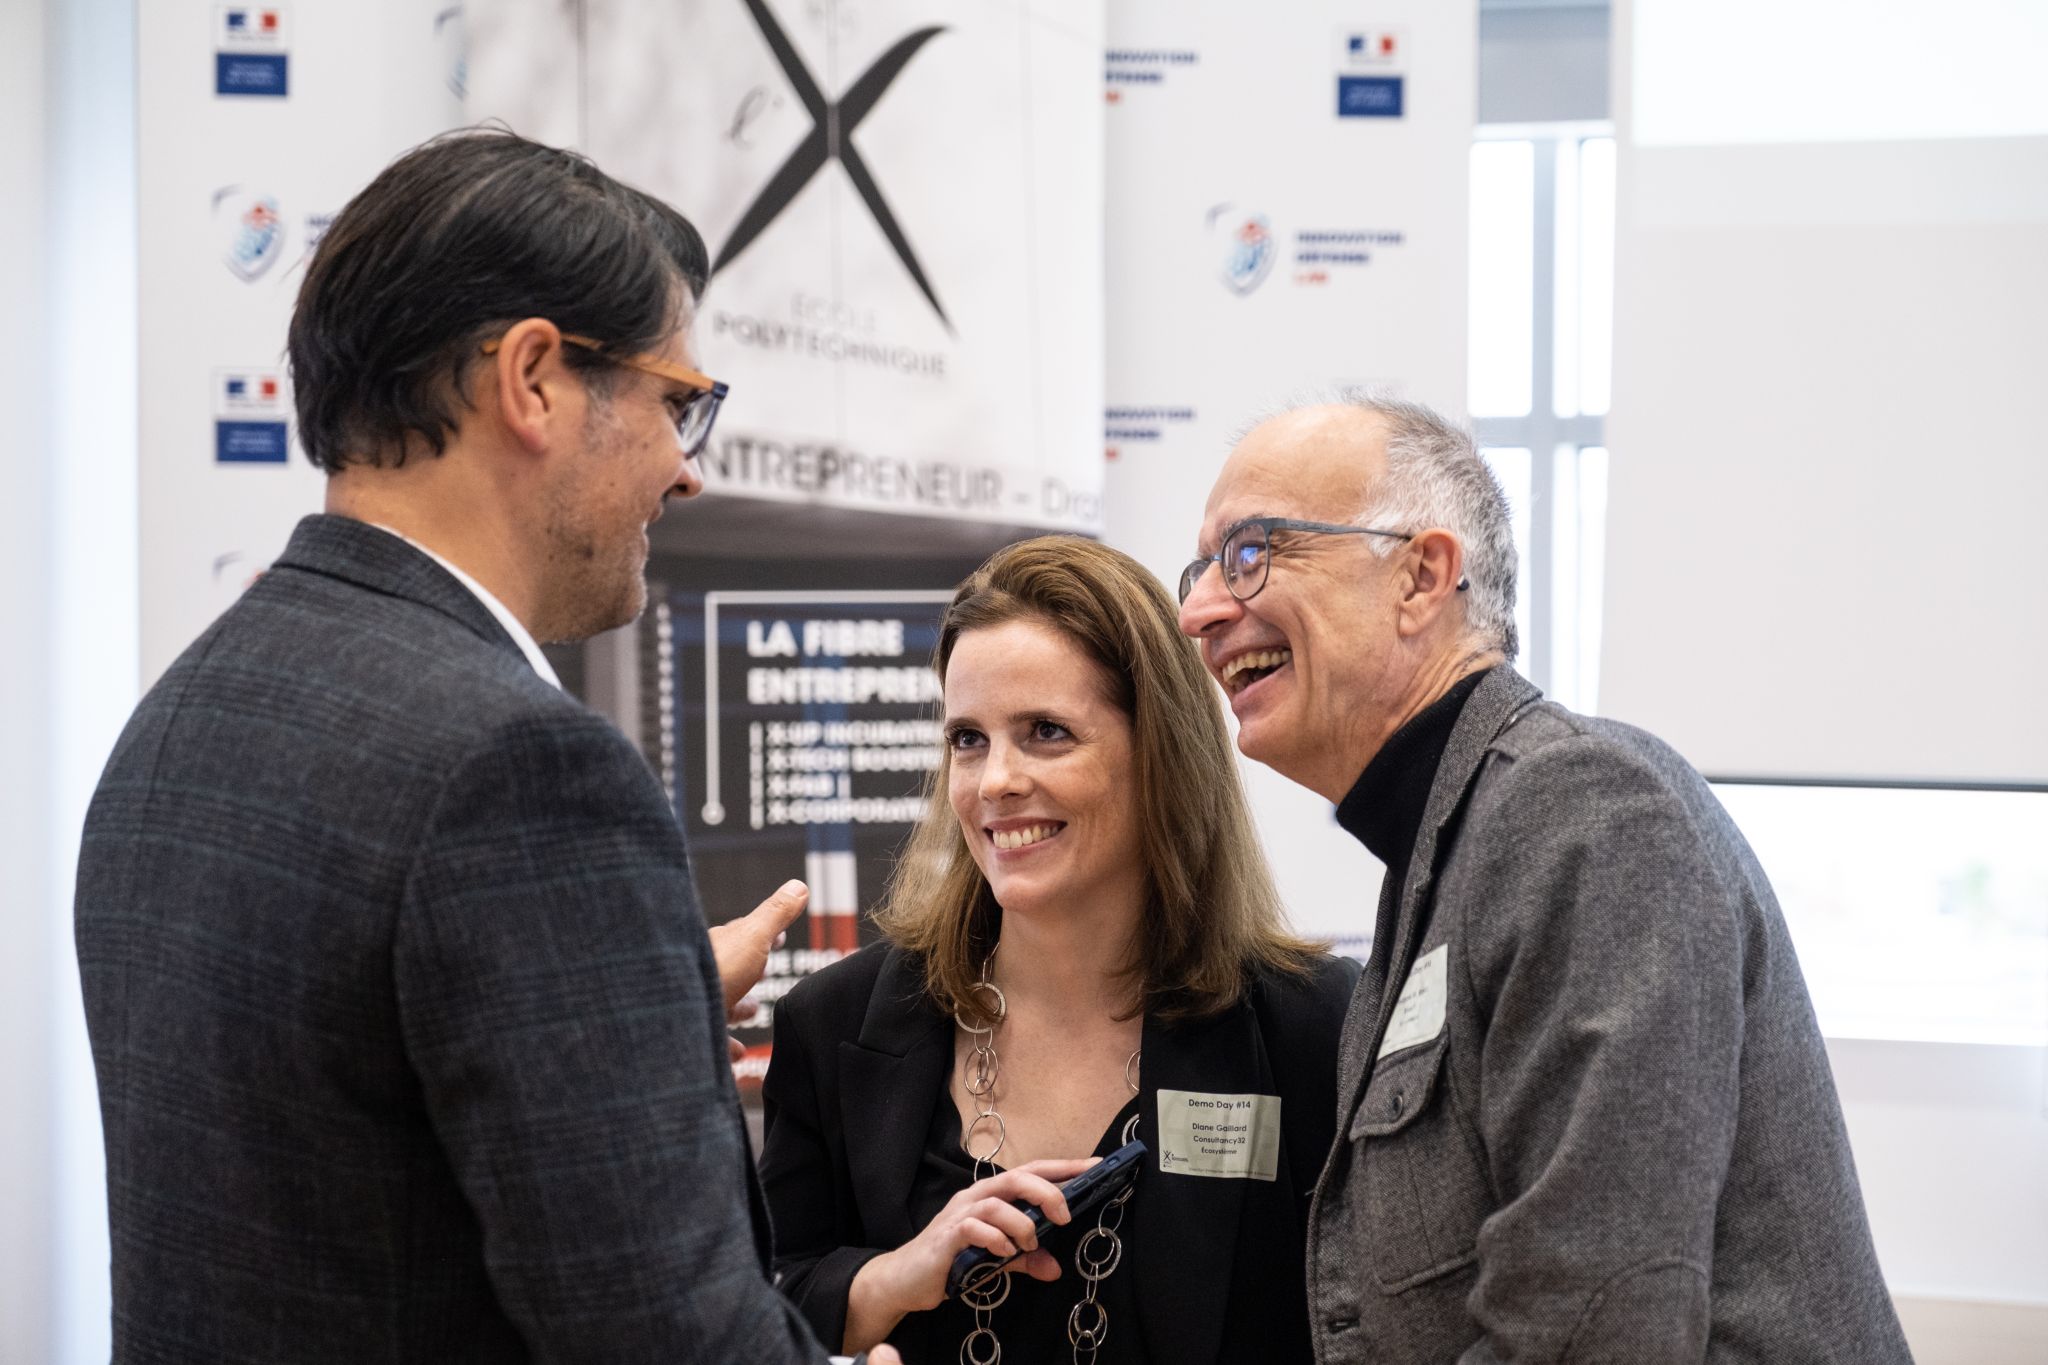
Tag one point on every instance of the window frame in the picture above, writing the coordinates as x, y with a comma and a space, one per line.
1548, 437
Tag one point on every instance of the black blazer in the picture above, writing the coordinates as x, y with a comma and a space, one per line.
860, 1063
410, 1041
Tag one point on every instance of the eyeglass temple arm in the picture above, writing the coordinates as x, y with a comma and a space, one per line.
648, 364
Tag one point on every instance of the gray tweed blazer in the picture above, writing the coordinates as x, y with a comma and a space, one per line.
409, 1037
1584, 1110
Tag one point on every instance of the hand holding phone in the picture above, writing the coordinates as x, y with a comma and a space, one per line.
988, 1213
1085, 1194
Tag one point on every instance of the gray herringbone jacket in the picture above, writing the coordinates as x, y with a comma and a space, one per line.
410, 1042
1621, 1143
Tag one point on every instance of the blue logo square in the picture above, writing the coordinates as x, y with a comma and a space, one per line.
1369, 96
250, 73
250, 443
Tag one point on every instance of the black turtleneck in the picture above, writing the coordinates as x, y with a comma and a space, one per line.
1383, 810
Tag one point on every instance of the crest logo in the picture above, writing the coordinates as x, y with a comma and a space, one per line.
1370, 48
1249, 248
242, 389
252, 27
248, 391
251, 228
830, 139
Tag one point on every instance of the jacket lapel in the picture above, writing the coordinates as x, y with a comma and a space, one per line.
891, 1079
1354, 1047
1184, 1228
372, 558
1498, 699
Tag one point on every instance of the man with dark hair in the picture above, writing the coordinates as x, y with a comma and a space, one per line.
1585, 1113
409, 1033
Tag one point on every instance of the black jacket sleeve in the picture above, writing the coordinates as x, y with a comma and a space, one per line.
805, 1177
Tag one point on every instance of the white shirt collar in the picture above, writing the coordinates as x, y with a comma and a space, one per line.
520, 635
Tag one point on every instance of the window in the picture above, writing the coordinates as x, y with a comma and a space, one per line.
1917, 912
1542, 351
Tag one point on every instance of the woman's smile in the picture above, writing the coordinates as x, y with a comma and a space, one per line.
1019, 838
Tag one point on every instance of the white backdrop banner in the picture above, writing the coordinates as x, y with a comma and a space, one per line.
1286, 211
258, 122
904, 208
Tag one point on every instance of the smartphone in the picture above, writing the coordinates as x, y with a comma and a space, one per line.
1086, 1193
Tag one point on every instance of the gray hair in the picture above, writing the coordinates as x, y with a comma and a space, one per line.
1435, 476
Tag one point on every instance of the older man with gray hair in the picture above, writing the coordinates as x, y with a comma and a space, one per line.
1586, 1114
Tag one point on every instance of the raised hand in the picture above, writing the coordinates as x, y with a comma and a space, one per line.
742, 945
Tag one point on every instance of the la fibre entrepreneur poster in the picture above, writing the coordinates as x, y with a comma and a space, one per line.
795, 728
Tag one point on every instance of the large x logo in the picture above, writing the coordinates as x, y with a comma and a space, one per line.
830, 137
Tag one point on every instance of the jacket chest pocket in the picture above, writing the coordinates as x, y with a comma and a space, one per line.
1420, 1190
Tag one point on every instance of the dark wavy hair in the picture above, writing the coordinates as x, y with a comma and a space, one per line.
454, 242
1211, 915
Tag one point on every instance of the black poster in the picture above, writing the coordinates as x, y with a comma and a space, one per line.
797, 728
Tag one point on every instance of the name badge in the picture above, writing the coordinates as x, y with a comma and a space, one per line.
1233, 1137
1419, 1013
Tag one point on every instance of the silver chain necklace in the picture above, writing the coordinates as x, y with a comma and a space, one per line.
1100, 1249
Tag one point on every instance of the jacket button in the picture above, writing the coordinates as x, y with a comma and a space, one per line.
1397, 1104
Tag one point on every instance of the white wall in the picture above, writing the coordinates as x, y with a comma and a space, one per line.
1824, 556
26, 1215
96, 579
1829, 466
1951, 1141
68, 612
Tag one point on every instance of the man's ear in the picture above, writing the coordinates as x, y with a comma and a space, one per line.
534, 385
1433, 574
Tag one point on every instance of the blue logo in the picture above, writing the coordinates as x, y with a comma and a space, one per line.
249, 443
1249, 253
1369, 96
250, 52
249, 425
251, 228
251, 73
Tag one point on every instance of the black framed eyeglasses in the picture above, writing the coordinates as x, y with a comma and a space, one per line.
1246, 554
